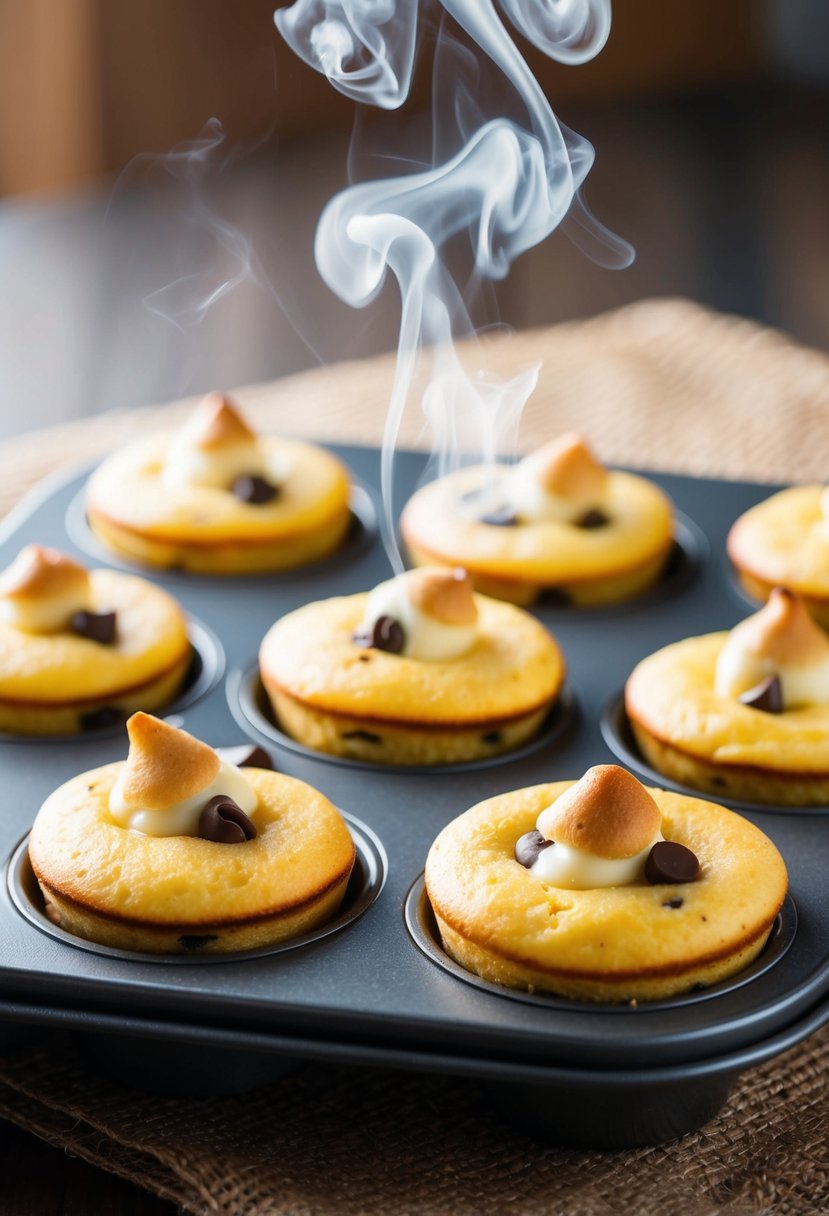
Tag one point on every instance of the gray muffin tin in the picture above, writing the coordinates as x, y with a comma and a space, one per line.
375, 987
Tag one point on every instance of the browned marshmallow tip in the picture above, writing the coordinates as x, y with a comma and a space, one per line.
164, 765
783, 631
39, 573
443, 595
566, 467
216, 423
607, 813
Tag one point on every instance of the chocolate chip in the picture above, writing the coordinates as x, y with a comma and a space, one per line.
101, 719
253, 489
528, 846
365, 735
767, 696
555, 597
195, 942
500, 517
223, 822
673, 903
96, 626
669, 861
594, 518
492, 736
246, 755
386, 634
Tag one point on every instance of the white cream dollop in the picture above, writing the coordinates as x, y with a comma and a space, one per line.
182, 818
562, 865
188, 465
780, 640
42, 590
49, 615
558, 483
738, 670
425, 637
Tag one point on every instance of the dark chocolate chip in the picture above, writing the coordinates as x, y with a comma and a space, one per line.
673, 903
768, 696
223, 822
528, 846
555, 597
96, 626
386, 634
254, 489
195, 942
366, 735
492, 736
669, 861
594, 518
246, 755
500, 517
101, 719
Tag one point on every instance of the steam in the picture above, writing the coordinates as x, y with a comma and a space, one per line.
365, 47
220, 257
509, 186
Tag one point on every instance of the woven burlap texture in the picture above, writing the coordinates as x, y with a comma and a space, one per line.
347, 1142
663, 385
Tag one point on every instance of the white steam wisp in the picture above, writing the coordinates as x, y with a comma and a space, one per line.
509, 186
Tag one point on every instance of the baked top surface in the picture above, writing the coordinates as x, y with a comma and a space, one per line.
671, 694
513, 667
785, 540
128, 489
476, 885
640, 527
302, 847
62, 667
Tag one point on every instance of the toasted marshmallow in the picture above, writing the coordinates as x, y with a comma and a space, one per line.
434, 607
603, 828
42, 589
560, 482
780, 640
214, 447
168, 779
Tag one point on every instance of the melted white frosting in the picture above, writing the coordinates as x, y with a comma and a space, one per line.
182, 819
739, 669
526, 495
43, 615
426, 638
188, 465
562, 865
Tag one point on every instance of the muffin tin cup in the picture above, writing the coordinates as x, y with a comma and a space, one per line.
617, 733
206, 668
423, 929
361, 535
248, 702
600, 1076
364, 886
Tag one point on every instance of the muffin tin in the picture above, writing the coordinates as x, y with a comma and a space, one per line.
375, 987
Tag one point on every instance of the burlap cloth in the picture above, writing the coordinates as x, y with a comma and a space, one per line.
663, 385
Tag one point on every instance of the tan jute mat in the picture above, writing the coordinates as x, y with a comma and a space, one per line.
663, 385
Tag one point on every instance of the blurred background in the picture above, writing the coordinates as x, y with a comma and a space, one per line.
144, 256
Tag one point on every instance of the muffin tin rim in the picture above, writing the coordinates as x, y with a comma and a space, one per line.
613, 719
363, 509
206, 644
243, 685
370, 853
417, 910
